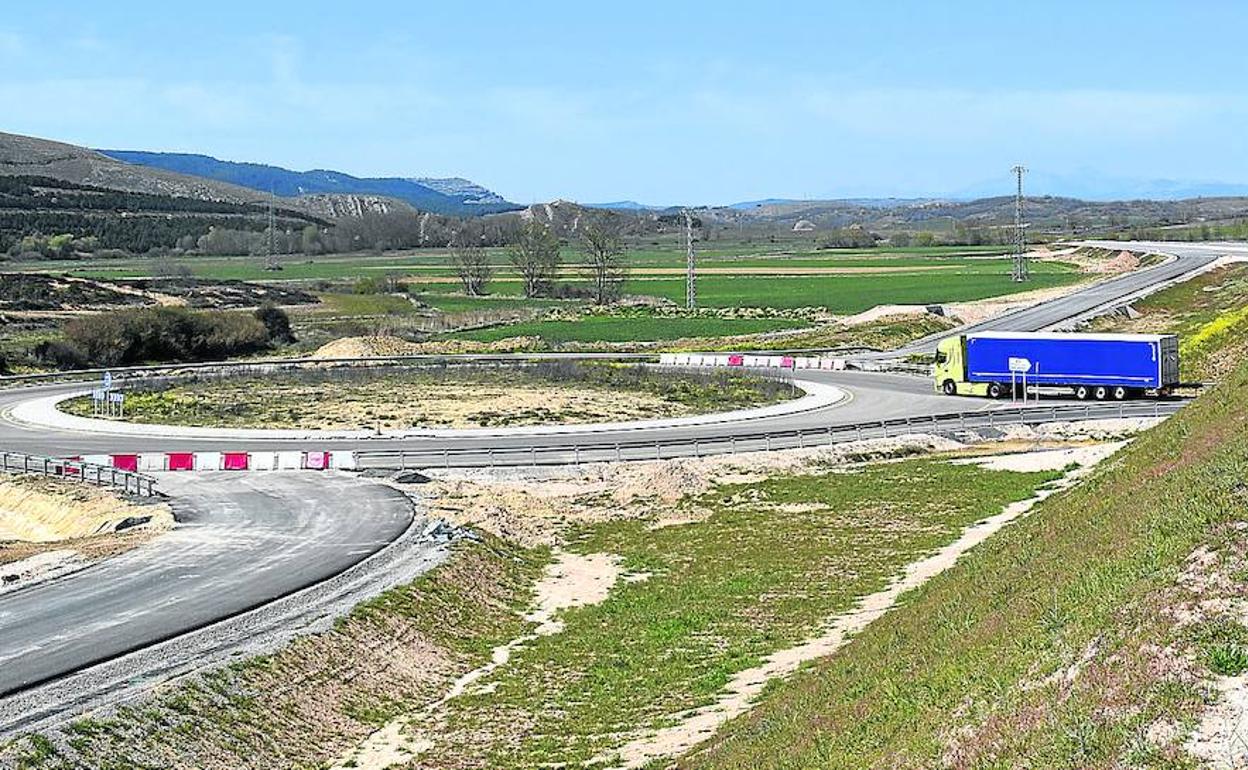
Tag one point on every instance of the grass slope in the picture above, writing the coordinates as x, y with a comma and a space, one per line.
1209, 313
302, 705
1052, 645
773, 561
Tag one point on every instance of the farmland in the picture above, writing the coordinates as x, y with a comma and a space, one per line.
415, 295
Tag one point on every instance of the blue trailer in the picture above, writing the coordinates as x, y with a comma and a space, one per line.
1093, 366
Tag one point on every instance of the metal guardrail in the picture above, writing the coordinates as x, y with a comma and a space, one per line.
128, 482
270, 364
748, 441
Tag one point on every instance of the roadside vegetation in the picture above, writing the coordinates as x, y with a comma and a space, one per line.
454, 396
1209, 313
635, 326
762, 566
163, 335
1087, 635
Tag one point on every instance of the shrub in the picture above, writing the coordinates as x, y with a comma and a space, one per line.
164, 334
276, 322
60, 355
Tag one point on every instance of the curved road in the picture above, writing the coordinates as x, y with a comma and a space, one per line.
247, 539
242, 541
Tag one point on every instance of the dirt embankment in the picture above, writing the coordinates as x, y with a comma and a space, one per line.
39, 516
537, 506
386, 345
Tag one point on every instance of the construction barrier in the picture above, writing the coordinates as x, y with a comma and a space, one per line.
125, 462
180, 461
754, 361
152, 462
207, 461
343, 461
289, 461
225, 461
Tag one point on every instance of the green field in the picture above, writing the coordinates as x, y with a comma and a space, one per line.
837, 293
436, 261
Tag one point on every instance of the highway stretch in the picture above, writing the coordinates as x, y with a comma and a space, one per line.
245, 540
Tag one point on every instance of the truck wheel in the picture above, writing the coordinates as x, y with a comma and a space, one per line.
1081, 392
949, 388
1120, 393
995, 390
1101, 392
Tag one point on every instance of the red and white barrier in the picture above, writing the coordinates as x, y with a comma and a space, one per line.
147, 462
753, 361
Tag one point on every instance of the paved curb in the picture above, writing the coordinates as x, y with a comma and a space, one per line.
42, 412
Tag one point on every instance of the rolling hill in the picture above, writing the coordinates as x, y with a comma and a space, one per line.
441, 196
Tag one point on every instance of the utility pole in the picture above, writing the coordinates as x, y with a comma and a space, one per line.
1021, 273
270, 252
691, 283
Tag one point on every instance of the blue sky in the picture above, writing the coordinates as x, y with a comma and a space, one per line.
657, 102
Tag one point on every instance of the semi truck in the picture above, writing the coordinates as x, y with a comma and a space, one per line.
1092, 366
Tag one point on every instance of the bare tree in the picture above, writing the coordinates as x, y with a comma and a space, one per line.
604, 258
470, 261
535, 255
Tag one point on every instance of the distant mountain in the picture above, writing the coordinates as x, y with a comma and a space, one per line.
441, 196
1089, 185
465, 190
625, 206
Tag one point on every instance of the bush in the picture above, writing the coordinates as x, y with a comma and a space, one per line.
164, 334
276, 322
60, 355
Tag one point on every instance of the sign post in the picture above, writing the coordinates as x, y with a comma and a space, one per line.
104, 401
1019, 367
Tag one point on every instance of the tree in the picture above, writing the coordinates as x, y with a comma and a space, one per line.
604, 258
470, 261
535, 255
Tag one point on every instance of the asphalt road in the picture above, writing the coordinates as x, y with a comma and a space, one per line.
246, 539
1188, 257
242, 540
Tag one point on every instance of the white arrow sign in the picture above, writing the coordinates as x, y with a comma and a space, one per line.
1019, 365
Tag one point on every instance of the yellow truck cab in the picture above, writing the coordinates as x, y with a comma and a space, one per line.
950, 370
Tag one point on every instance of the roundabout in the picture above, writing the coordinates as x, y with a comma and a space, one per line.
246, 542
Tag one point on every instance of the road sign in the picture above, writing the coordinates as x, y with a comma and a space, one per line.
1019, 365
108, 380
116, 398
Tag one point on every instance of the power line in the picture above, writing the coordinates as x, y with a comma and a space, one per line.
270, 251
691, 280
1021, 271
